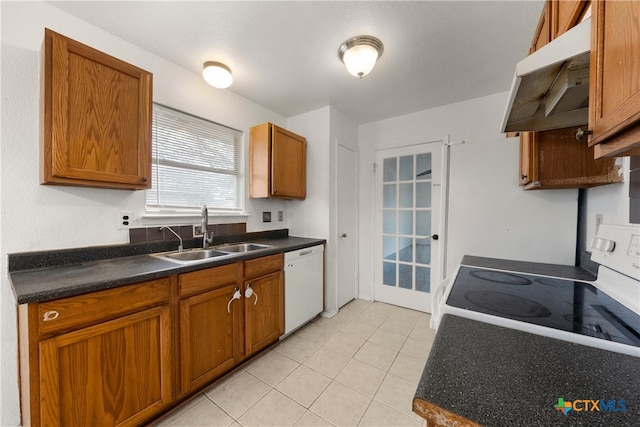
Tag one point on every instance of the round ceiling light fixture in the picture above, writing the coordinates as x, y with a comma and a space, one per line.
217, 74
359, 54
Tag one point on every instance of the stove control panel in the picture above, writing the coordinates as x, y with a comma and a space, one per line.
618, 248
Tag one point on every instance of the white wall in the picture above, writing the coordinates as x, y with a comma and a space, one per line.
611, 201
36, 217
489, 215
316, 216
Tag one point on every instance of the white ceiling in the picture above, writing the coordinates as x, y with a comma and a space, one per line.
283, 54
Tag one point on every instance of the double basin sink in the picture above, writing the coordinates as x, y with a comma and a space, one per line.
197, 255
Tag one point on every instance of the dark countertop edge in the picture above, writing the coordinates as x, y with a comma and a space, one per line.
565, 271
121, 278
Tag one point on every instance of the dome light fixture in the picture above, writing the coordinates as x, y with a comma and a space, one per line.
217, 74
359, 54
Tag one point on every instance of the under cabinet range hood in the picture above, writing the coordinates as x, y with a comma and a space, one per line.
550, 89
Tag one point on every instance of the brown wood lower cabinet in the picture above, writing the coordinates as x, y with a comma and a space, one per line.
111, 358
115, 373
103, 358
264, 318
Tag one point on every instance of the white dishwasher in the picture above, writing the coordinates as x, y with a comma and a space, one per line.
303, 286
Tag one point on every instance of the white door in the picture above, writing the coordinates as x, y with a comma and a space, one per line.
347, 224
407, 221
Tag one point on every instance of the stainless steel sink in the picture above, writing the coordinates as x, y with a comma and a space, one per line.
193, 255
241, 247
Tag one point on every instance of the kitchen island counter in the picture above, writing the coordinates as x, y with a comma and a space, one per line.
478, 373
39, 277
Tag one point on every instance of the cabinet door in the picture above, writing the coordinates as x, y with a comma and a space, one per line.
566, 14
288, 164
114, 373
543, 30
264, 311
97, 111
210, 336
614, 96
528, 171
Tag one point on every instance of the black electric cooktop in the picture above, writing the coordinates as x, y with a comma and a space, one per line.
563, 304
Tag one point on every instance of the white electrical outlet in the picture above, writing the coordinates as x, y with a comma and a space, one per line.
125, 220
197, 231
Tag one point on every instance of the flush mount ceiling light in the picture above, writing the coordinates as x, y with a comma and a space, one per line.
217, 74
359, 54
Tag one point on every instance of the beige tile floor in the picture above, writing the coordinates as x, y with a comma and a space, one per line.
359, 368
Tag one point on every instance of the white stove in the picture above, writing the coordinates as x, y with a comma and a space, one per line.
602, 312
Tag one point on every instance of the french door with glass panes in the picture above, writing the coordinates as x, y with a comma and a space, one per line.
407, 214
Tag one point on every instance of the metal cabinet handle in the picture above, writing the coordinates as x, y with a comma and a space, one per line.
50, 315
236, 295
249, 292
143, 179
581, 133
343, 235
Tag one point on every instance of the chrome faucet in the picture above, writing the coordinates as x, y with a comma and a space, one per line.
204, 223
180, 247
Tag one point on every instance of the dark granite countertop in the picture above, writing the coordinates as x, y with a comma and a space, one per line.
55, 277
566, 271
497, 376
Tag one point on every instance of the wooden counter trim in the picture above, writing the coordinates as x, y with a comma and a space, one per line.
439, 417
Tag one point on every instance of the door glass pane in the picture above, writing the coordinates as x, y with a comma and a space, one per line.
423, 279
423, 166
405, 222
423, 223
423, 251
390, 170
406, 195
406, 168
389, 249
423, 194
405, 246
389, 222
405, 276
389, 273
389, 197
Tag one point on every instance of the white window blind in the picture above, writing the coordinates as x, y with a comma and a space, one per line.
195, 162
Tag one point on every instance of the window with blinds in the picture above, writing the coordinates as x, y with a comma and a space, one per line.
195, 162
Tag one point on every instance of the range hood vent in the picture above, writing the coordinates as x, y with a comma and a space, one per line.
550, 89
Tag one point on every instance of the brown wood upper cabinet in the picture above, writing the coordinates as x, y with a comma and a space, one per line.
614, 92
566, 14
97, 118
554, 159
277, 163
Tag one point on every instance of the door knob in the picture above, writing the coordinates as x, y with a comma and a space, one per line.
433, 236
343, 235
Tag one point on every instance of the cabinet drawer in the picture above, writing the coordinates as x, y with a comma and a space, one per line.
259, 266
98, 306
210, 278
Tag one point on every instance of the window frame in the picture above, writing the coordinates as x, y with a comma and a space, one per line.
240, 171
